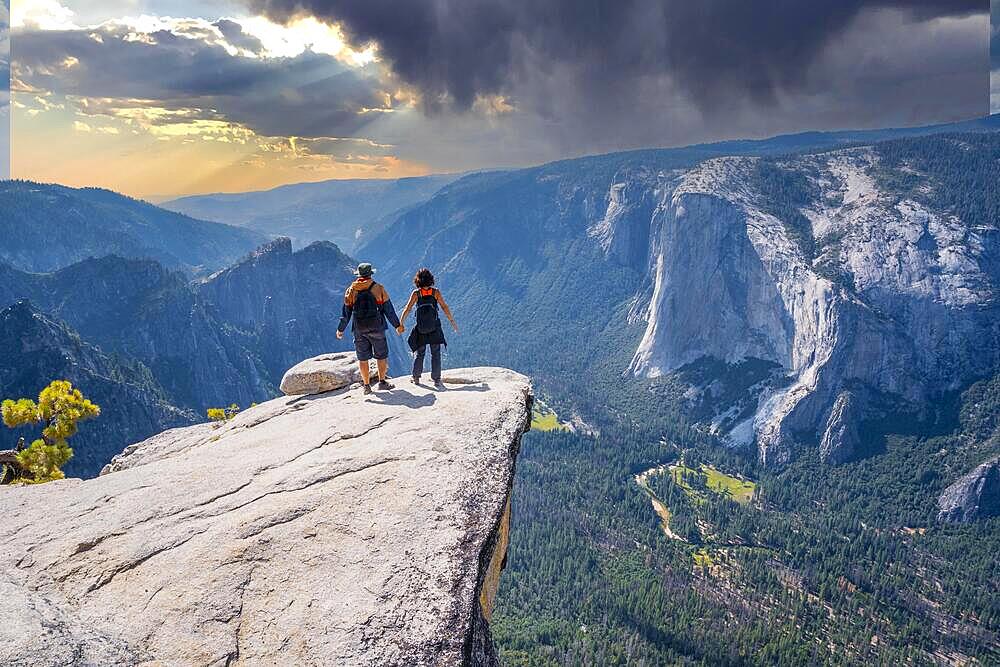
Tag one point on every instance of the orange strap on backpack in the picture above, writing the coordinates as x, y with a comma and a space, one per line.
426, 292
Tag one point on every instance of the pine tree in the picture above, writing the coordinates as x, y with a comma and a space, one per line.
60, 408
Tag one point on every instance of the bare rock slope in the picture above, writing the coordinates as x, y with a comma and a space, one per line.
975, 495
333, 529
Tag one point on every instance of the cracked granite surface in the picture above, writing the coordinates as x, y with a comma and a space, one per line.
315, 530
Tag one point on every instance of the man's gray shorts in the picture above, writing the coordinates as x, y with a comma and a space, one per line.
371, 345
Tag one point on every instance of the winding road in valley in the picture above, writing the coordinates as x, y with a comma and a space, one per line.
642, 479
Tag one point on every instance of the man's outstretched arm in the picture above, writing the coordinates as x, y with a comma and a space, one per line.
390, 312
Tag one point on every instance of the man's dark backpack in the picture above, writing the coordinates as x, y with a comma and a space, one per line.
427, 312
367, 313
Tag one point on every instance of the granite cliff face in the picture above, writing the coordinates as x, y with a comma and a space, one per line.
858, 291
312, 530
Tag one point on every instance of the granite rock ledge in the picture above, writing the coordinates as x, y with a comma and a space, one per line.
331, 529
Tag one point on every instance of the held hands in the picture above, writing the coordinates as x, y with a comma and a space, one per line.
340, 335
400, 329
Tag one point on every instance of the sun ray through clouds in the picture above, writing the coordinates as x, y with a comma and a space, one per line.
179, 96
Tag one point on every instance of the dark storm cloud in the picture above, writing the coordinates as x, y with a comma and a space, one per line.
309, 95
717, 50
578, 76
233, 32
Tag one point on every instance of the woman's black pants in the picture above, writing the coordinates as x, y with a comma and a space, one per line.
418, 362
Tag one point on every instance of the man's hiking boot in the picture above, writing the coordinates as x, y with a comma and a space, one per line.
438, 384
368, 389
415, 380
385, 385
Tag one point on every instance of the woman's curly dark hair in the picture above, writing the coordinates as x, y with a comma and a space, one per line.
424, 279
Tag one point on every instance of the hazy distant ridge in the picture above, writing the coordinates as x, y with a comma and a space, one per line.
343, 211
48, 227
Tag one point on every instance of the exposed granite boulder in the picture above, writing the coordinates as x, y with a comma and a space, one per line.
336, 529
326, 372
841, 439
973, 496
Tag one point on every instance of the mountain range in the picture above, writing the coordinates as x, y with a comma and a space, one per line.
351, 212
345, 212
46, 227
608, 255
35, 348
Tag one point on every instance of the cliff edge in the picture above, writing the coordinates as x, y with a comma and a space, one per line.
310, 530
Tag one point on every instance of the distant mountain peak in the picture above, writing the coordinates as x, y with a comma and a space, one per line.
280, 246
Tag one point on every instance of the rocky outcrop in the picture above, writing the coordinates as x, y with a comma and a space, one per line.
321, 374
973, 496
335, 529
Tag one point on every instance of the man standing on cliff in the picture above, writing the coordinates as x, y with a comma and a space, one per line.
369, 304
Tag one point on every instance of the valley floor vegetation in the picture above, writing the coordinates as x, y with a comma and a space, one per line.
543, 418
811, 564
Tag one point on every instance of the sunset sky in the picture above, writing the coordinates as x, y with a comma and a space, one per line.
158, 98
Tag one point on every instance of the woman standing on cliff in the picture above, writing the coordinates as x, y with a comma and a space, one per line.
428, 330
